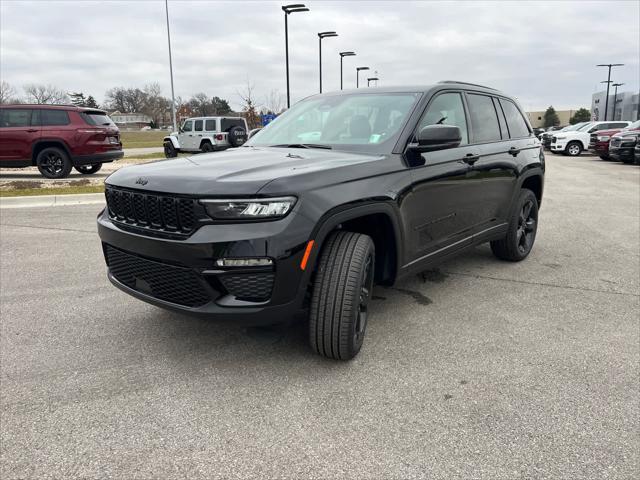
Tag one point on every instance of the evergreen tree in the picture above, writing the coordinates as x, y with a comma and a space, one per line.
551, 118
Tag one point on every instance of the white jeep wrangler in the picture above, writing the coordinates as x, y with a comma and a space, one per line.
206, 134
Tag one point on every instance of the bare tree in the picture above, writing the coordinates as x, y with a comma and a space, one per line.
275, 101
7, 93
249, 105
45, 94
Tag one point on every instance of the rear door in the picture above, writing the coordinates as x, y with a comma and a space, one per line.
492, 178
19, 130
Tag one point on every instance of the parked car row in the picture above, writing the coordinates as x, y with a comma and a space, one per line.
609, 140
617, 144
57, 138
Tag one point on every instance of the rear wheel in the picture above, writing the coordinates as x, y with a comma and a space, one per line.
206, 147
605, 157
341, 295
573, 149
169, 150
53, 162
88, 169
521, 233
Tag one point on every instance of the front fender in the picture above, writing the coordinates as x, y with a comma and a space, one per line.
173, 140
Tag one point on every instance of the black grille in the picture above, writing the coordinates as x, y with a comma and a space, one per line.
170, 283
249, 286
152, 211
593, 138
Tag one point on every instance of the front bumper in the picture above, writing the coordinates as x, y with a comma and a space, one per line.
622, 154
558, 146
213, 287
102, 157
599, 148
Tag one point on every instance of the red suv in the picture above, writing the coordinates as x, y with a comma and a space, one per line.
56, 138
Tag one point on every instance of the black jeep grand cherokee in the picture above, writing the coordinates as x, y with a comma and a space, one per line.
343, 191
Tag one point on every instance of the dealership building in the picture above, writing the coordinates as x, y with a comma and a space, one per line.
625, 108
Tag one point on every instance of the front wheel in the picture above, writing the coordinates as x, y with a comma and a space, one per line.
88, 169
342, 290
573, 149
169, 150
521, 233
53, 162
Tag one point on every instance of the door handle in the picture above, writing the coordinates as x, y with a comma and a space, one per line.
514, 151
471, 158
32, 130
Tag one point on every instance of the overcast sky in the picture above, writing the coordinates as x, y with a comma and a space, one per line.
544, 53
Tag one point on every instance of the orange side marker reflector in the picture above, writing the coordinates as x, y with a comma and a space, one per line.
307, 252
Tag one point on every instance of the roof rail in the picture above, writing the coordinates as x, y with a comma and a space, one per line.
467, 83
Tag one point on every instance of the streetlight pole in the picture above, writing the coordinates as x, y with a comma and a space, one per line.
322, 35
173, 97
369, 80
606, 103
358, 75
287, 9
342, 55
615, 98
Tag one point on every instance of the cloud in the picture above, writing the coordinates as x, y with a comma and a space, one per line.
542, 52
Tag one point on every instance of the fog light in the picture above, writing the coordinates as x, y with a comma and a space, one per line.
244, 262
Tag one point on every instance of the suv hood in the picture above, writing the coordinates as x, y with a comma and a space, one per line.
240, 171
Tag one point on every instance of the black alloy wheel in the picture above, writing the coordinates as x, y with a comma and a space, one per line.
53, 163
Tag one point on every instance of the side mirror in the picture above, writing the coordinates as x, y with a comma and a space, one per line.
437, 137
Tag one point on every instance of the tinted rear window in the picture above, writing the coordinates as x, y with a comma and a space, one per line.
484, 120
210, 125
198, 126
54, 117
18, 117
227, 123
97, 118
516, 123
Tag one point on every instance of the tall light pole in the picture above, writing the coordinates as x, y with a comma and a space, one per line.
287, 9
342, 55
322, 35
606, 103
615, 98
358, 75
371, 79
173, 97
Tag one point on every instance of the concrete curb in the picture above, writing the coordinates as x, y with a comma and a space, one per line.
52, 200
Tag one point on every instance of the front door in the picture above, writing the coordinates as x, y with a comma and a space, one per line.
18, 133
437, 210
185, 137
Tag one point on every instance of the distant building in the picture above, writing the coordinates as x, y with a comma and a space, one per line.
130, 120
626, 107
537, 118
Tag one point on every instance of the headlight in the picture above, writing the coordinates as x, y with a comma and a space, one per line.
560, 138
603, 138
255, 208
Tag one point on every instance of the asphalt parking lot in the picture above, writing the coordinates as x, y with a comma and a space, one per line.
480, 369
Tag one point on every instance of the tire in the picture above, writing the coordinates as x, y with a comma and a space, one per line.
53, 162
237, 136
169, 150
521, 233
573, 149
605, 157
206, 147
342, 291
88, 169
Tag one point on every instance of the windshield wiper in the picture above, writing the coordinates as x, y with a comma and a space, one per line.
301, 145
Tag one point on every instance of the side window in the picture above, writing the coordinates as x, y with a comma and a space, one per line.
18, 117
187, 126
483, 118
617, 125
54, 117
447, 109
198, 125
595, 128
210, 125
501, 119
517, 125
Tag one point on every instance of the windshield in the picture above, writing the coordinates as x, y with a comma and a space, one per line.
364, 122
577, 126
